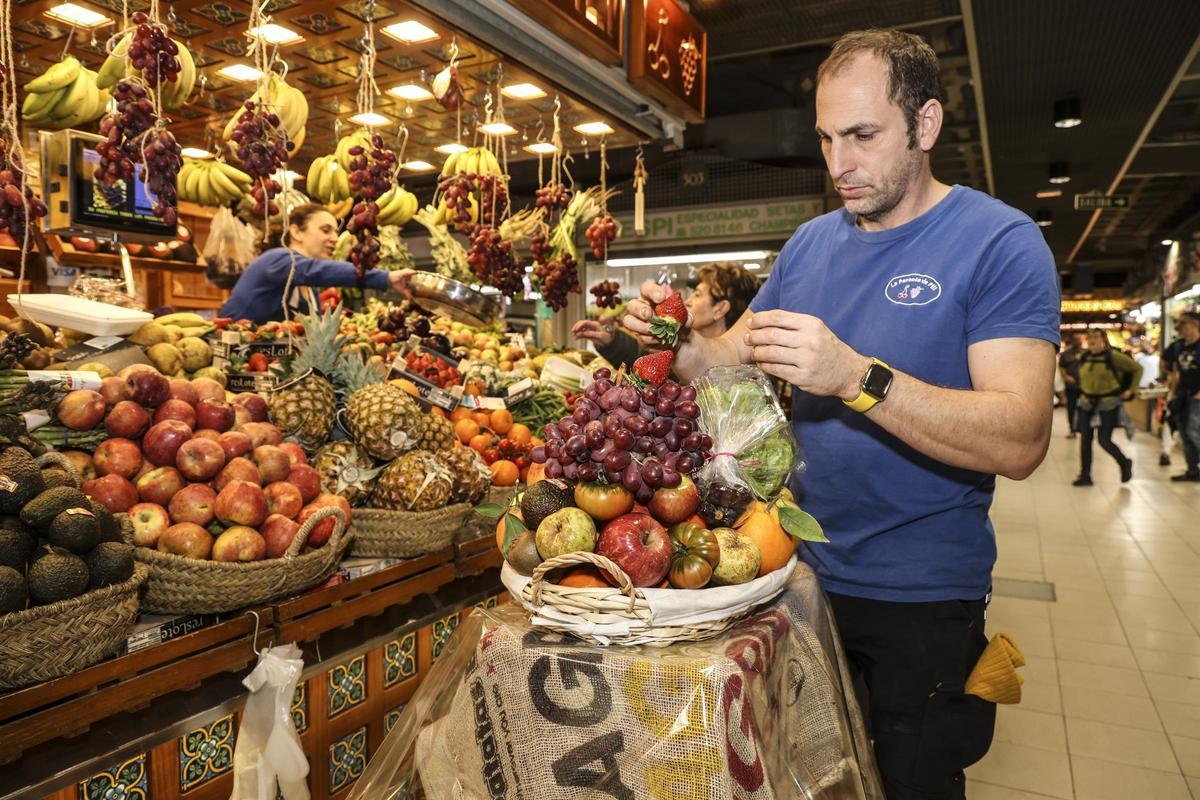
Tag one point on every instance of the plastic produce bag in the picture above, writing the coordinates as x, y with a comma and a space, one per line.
230, 247
268, 747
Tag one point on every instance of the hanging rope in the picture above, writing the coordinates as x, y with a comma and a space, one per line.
10, 132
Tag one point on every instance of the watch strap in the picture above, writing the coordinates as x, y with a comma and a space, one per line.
865, 401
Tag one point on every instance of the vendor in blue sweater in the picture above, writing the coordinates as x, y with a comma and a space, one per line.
310, 238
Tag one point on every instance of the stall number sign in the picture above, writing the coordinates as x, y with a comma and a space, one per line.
731, 222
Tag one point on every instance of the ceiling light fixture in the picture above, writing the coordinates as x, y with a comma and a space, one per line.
498, 129
1060, 172
1168, 242
410, 91
276, 34
370, 119
78, 16
594, 128
541, 148
1044, 218
523, 91
1046, 194
1066, 113
240, 72
450, 148
194, 152
418, 166
410, 32
699, 258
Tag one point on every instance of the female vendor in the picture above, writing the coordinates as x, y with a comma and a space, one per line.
311, 236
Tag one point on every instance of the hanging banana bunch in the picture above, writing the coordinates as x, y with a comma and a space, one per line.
64, 96
210, 182
288, 103
117, 66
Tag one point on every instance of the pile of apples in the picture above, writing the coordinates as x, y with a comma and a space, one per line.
198, 474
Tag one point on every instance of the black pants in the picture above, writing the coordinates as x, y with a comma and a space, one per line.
1108, 423
1073, 393
911, 661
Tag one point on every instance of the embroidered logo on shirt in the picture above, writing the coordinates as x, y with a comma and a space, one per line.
913, 289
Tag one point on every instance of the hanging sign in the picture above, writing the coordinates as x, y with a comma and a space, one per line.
1099, 202
668, 56
771, 219
595, 27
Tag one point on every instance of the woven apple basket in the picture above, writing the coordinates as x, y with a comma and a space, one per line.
384, 533
182, 585
584, 613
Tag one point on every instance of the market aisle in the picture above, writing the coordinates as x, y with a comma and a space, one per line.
1111, 704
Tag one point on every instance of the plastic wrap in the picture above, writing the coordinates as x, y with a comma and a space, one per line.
229, 249
106, 290
513, 711
268, 747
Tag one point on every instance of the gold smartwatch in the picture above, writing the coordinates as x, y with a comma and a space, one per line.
873, 388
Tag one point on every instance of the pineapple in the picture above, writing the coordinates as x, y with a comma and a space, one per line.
304, 407
346, 469
383, 419
438, 434
472, 478
416, 481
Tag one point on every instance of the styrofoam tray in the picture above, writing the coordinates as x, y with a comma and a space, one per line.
89, 316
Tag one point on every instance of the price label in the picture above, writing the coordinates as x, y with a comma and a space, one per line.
431, 394
104, 342
519, 392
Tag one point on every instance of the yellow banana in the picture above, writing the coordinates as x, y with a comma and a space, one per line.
38, 105
341, 183
451, 165
488, 163
243, 180
72, 101
187, 77
59, 76
222, 185
114, 66
312, 182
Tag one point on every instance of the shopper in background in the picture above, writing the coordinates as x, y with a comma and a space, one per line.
1147, 358
308, 244
1068, 366
1187, 393
1171, 424
1107, 378
720, 294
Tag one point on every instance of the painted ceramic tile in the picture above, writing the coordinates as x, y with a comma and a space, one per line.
443, 629
320, 23
206, 753
391, 718
347, 759
129, 780
400, 659
300, 707
347, 685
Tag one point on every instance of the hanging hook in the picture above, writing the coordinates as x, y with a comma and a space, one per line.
254, 639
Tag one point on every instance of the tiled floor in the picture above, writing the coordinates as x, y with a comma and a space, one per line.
1111, 706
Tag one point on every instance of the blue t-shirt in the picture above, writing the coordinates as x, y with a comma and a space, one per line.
258, 294
904, 527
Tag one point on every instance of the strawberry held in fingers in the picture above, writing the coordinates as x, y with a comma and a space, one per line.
653, 369
669, 317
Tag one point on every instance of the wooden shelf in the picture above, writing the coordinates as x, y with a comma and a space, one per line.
66, 254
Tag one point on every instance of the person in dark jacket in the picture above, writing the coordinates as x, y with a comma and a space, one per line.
1107, 378
310, 239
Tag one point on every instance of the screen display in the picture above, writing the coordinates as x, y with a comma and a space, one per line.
123, 206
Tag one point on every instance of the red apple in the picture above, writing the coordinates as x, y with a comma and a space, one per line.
258, 433
193, 503
307, 480
274, 435
324, 529
149, 521
241, 503
200, 459
279, 531
83, 464
638, 545
148, 388
239, 543
295, 452
283, 498
208, 388
235, 443
208, 433
118, 457
127, 420
186, 539
182, 389
256, 404
112, 491
114, 390
159, 485
146, 467
125, 372
273, 463
669, 506
237, 469
162, 442
215, 414
176, 409
240, 416
82, 409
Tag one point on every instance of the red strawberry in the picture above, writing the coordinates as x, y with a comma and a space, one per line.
653, 369
669, 316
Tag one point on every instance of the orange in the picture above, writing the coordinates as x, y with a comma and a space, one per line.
501, 421
438, 412
473, 389
462, 412
520, 433
466, 429
535, 441
481, 442
534, 474
775, 544
482, 418
516, 512
504, 472
583, 578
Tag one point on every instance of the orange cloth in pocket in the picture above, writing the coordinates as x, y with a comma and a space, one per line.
994, 677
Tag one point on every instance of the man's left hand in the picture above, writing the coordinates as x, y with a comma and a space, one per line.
399, 281
800, 349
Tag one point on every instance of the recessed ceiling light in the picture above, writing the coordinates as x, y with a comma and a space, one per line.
1046, 194
1067, 114
1060, 172
276, 34
78, 16
410, 32
541, 148
1168, 242
1044, 218
450, 148
523, 91
498, 129
410, 91
752, 266
594, 128
370, 119
240, 72
195, 152
418, 166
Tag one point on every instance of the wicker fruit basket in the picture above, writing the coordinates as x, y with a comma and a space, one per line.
382, 533
182, 585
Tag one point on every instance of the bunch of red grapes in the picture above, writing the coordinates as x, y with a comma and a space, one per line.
262, 147
619, 435
370, 176
554, 197
495, 261
19, 206
122, 131
153, 52
457, 190
162, 157
558, 278
607, 294
602, 231
493, 197
364, 255
539, 246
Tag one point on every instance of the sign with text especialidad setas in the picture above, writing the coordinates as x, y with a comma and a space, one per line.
775, 218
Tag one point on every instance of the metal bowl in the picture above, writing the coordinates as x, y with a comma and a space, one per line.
455, 299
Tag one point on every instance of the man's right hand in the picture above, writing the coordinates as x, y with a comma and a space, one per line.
593, 331
640, 313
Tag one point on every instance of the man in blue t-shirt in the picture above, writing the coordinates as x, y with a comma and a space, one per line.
919, 326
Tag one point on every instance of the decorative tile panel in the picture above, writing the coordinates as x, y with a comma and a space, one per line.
202, 59
222, 13
230, 45
321, 80
41, 29
347, 684
391, 718
185, 28
404, 63
321, 54
116, 5
400, 659
358, 10
129, 780
300, 707
443, 629
320, 23
206, 753
347, 759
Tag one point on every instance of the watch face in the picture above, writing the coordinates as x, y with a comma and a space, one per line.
877, 381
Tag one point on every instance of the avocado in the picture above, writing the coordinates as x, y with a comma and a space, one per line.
110, 529
110, 563
11, 522
15, 550
76, 529
13, 593
57, 576
20, 479
543, 499
42, 509
56, 477
44, 548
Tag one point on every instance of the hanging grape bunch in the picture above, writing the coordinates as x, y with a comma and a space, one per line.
495, 262
554, 197
122, 130
153, 52
162, 158
459, 190
601, 233
618, 434
558, 278
370, 176
607, 294
493, 197
262, 147
19, 206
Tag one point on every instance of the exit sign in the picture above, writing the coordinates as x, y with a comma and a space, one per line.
1099, 202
